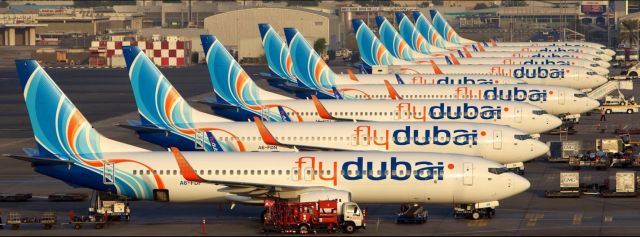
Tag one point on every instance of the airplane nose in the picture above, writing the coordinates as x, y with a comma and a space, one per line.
553, 122
592, 104
538, 148
609, 52
598, 80
519, 184
604, 64
601, 71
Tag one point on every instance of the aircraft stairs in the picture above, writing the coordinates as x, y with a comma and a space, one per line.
610, 86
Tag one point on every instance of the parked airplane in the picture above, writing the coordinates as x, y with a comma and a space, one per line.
264, 104
167, 120
397, 46
442, 26
279, 58
556, 75
416, 41
71, 150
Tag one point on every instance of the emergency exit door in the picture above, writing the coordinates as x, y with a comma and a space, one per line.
467, 178
561, 96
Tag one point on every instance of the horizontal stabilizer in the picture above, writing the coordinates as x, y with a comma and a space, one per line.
137, 126
216, 105
37, 160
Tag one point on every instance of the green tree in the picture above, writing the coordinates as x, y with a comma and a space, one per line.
514, 3
479, 6
438, 2
320, 45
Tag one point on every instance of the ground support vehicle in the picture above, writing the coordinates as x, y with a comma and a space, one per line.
569, 186
116, 207
589, 160
14, 197
625, 186
561, 151
311, 217
48, 219
97, 220
475, 211
627, 109
412, 214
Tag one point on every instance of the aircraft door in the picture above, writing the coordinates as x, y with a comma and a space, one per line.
497, 139
518, 114
109, 173
561, 96
467, 178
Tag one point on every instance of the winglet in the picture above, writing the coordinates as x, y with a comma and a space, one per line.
466, 52
266, 135
454, 59
351, 75
480, 47
399, 79
392, 91
436, 69
322, 111
185, 168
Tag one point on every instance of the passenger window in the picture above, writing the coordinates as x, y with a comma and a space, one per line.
135, 172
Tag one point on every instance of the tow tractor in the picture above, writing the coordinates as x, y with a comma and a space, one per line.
311, 217
476, 211
412, 214
47, 219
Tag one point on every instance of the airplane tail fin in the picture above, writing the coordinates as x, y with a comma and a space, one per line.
443, 27
308, 66
159, 104
411, 35
392, 40
60, 130
231, 84
276, 52
429, 32
372, 51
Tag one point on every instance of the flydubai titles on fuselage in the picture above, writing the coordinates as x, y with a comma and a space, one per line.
369, 135
540, 72
509, 94
447, 80
452, 112
420, 170
545, 61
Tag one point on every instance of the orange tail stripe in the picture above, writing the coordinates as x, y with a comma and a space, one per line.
185, 168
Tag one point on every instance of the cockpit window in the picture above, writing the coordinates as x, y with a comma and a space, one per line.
594, 65
521, 82
591, 73
522, 137
580, 95
599, 52
498, 171
539, 112
597, 59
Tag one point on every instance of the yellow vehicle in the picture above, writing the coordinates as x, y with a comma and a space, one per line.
629, 108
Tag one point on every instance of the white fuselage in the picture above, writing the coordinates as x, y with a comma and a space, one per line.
498, 143
552, 49
552, 75
427, 79
403, 177
558, 44
519, 115
553, 99
538, 61
589, 57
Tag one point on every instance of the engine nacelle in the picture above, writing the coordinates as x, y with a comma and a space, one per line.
341, 196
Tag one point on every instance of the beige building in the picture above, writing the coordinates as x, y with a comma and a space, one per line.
239, 29
73, 20
18, 29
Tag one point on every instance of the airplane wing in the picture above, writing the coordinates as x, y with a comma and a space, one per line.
250, 190
269, 139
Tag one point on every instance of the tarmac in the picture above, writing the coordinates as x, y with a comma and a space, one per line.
104, 97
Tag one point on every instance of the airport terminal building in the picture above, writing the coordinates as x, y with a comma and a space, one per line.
238, 29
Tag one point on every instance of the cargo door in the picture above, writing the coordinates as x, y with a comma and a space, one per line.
497, 139
467, 178
518, 114
561, 95
109, 173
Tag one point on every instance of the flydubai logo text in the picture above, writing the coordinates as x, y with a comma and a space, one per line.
510, 94
395, 169
451, 112
539, 72
370, 136
451, 81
